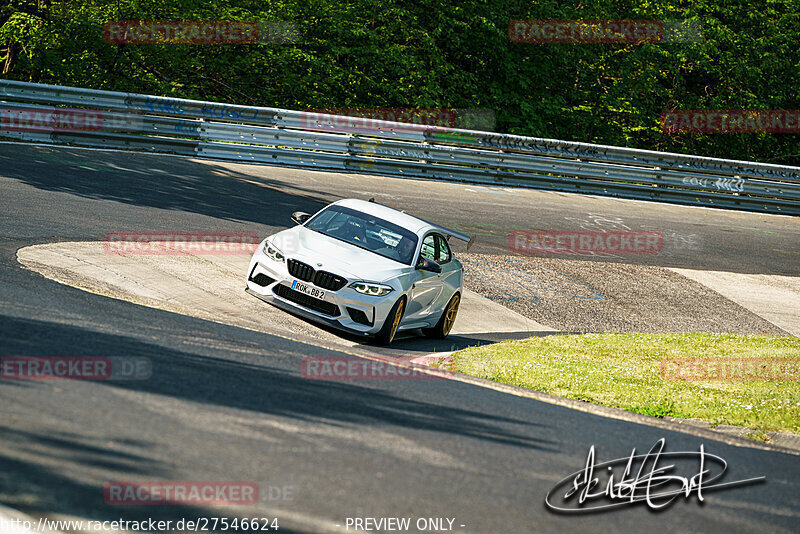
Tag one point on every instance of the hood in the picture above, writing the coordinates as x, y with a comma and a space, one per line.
336, 256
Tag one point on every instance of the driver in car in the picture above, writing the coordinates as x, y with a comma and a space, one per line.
405, 248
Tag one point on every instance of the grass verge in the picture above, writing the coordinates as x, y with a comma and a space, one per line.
751, 381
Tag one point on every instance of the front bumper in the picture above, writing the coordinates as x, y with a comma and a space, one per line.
345, 309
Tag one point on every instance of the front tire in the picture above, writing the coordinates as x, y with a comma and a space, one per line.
446, 321
389, 328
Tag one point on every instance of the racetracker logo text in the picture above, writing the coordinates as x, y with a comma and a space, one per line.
369, 119
345, 368
213, 32
731, 121
193, 493
50, 120
734, 369
586, 242
75, 368
603, 31
162, 243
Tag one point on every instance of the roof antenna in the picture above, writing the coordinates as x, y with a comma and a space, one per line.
372, 199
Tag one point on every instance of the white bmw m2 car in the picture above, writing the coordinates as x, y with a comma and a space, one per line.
363, 268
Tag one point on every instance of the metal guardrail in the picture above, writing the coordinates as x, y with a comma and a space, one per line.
314, 140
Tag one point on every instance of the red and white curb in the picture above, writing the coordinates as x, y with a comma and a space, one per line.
434, 360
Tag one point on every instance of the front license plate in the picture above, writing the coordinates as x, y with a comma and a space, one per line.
308, 290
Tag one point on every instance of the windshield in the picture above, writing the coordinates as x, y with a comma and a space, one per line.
365, 231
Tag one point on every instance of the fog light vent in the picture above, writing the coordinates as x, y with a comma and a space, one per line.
359, 316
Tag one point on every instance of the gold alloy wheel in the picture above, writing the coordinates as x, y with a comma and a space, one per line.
397, 316
450, 315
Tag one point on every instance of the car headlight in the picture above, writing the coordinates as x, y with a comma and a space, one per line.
375, 290
273, 253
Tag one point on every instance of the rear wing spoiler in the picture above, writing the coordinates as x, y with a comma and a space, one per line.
446, 231
458, 235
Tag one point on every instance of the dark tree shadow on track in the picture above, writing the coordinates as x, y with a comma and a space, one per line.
38, 488
261, 387
178, 183
48, 468
414, 341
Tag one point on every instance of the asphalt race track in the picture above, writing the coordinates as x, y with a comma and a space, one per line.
226, 403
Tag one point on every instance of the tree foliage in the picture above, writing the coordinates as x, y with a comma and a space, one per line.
425, 53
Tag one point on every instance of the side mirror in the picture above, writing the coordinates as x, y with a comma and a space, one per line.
424, 264
299, 217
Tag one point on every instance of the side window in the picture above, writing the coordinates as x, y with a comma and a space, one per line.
429, 247
443, 253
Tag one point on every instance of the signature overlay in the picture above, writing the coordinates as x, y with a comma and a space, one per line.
656, 485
